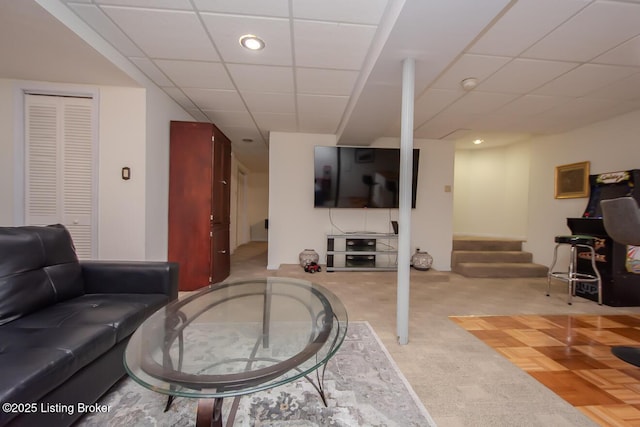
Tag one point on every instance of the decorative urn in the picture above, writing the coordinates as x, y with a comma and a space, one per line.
308, 256
421, 260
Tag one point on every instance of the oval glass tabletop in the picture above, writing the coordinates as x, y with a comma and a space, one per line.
237, 338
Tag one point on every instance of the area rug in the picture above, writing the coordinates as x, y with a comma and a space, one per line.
364, 387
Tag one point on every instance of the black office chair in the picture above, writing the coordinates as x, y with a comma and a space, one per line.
621, 219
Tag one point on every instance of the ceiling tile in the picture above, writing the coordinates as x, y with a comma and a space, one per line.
526, 22
506, 123
197, 74
441, 126
581, 107
325, 82
280, 122
625, 89
322, 105
106, 28
590, 33
185, 40
226, 30
180, 97
216, 99
277, 8
432, 102
198, 115
585, 79
229, 118
309, 123
331, 45
159, 4
151, 71
261, 78
479, 103
317, 113
627, 53
272, 102
529, 105
524, 75
353, 11
478, 66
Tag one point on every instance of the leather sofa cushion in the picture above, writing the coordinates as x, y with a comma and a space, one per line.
36, 360
122, 312
38, 267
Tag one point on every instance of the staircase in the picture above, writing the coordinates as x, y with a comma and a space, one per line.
493, 258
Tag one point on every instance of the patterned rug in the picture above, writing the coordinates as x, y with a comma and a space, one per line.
363, 385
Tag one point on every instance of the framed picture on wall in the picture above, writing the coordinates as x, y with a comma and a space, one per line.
572, 181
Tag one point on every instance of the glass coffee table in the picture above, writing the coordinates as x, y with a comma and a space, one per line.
237, 338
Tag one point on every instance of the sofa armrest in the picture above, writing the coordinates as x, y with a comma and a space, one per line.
132, 277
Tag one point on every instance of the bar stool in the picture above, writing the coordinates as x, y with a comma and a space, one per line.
572, 276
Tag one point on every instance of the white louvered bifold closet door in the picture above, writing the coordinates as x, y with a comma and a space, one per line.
59, 166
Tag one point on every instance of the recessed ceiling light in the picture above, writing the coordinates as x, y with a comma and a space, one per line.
251, 42
478, 141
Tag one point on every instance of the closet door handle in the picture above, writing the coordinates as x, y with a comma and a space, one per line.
222, 251
223, 181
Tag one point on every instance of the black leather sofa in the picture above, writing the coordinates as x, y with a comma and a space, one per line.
64, 323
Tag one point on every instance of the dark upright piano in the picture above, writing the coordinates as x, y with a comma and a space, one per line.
620, 288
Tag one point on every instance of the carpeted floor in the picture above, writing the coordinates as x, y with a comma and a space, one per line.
459, 379
363, 385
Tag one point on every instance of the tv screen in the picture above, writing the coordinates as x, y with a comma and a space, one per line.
360, 177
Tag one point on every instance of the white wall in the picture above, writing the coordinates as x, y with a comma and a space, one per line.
258, 205
491, 191
610, 146
121, 204
161, 110
294, 224
132, 215
6, 153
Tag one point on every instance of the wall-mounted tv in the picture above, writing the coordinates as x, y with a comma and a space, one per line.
360, 177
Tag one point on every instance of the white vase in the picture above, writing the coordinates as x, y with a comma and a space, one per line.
421, 260
308, 256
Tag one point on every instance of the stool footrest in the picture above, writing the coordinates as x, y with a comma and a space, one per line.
579, 277
571, 276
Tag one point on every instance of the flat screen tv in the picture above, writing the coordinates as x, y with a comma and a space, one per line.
360, 177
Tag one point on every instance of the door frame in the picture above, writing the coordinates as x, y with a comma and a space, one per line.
20, 90
242, 219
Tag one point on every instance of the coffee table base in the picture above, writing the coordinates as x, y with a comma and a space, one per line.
209, 413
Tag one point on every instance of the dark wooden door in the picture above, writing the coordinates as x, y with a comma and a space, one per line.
221, 207
221, 202
199, 203
190, 195
220, 256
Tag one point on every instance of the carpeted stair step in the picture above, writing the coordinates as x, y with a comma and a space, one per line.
500, 269
486, 245
490, 256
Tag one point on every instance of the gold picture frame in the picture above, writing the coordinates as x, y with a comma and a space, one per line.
572, 181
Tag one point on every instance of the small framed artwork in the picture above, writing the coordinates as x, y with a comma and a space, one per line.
572, 181
364, 155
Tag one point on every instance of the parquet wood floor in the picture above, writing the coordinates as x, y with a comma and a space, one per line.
571, 355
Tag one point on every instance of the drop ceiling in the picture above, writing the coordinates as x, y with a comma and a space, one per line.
335, 66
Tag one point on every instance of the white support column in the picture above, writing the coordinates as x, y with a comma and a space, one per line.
404, 215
